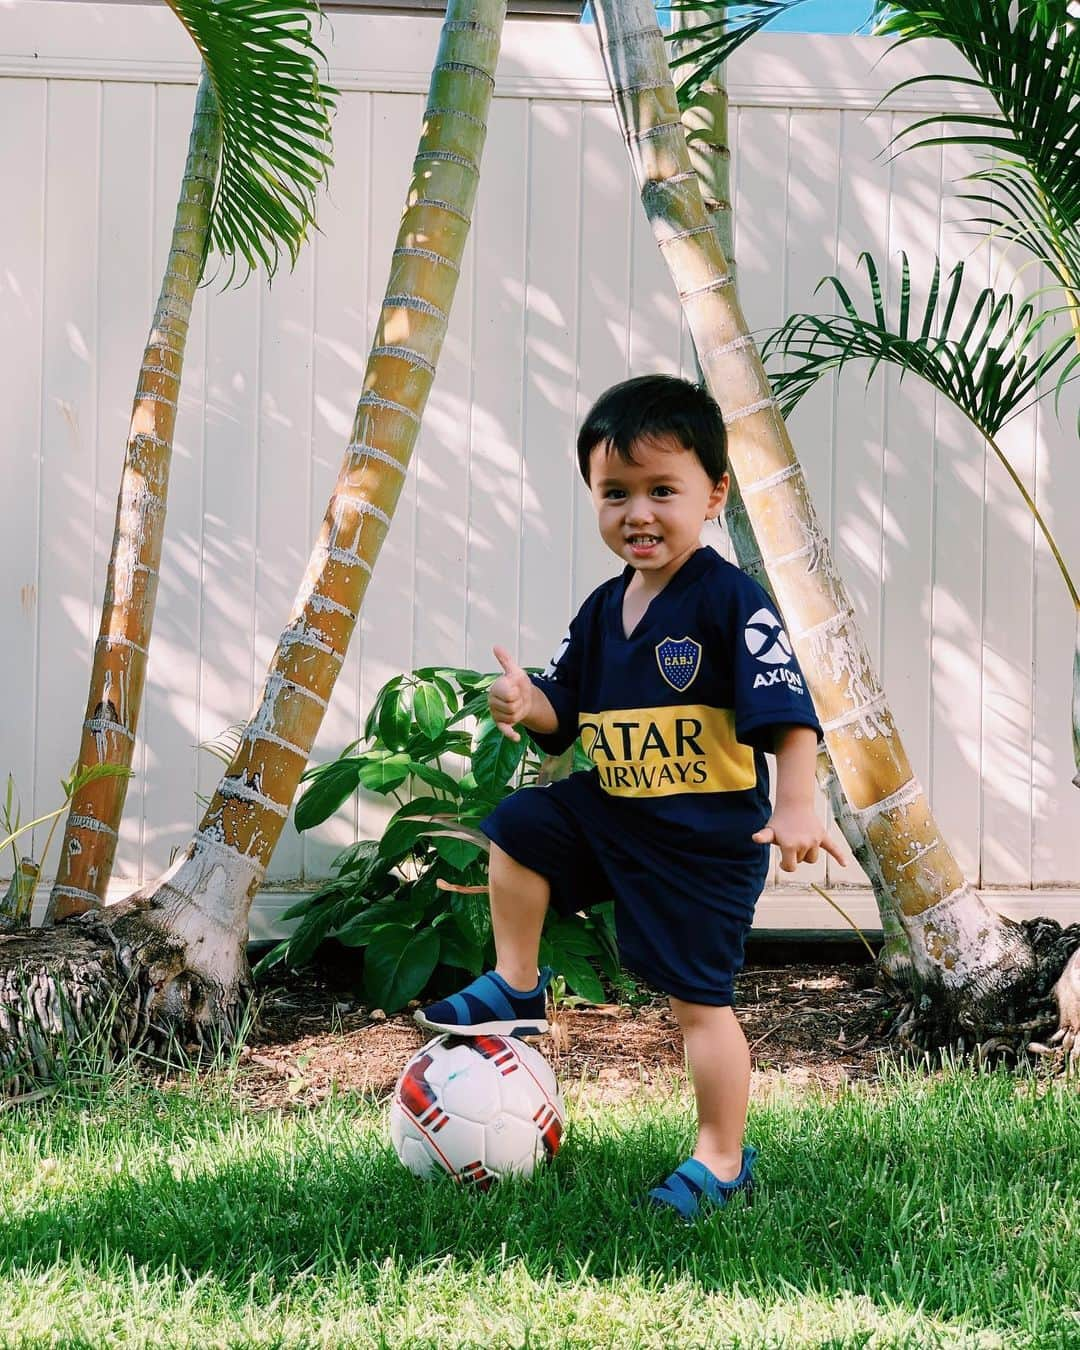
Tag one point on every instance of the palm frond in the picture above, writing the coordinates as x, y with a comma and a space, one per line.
264, 66
991, 358
723, 28
1026, 56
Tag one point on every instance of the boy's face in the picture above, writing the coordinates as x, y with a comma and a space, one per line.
650, 513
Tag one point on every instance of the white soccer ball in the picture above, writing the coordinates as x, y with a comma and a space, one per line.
477, 1107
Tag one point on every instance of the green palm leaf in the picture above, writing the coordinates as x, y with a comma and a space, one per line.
991, 364
705, 45
1026, 56
991, 358
263, 63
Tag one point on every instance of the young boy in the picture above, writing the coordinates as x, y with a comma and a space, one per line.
677, 675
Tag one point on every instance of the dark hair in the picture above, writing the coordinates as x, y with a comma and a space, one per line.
655, 405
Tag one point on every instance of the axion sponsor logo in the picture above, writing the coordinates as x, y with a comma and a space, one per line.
779, 676
766, 640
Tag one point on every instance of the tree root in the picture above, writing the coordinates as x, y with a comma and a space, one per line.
82, 992
1046, 1007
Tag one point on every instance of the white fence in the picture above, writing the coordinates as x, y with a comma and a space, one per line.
562, 294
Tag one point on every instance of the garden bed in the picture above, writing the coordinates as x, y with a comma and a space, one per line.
809, 1023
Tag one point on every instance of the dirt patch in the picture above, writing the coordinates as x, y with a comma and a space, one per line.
808, 1024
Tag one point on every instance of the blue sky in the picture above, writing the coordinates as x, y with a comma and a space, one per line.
815, 16
825, 16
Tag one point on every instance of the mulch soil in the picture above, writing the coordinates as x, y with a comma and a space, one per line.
809, 1024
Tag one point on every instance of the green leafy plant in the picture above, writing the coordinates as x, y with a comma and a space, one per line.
413, 904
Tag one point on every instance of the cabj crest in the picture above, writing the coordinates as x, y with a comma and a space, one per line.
679, 660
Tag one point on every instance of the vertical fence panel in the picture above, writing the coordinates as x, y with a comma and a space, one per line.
602, 339
23, 104
500, 241
551, 377
907, 517
956, 614
69, 424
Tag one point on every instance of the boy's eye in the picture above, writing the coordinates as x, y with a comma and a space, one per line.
614, 494
663, 492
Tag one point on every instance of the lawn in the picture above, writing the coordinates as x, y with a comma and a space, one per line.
920, 1210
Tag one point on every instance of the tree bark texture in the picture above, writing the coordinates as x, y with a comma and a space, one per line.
705, 125
972, 962
127, 616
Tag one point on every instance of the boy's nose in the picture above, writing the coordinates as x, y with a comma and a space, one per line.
639, 511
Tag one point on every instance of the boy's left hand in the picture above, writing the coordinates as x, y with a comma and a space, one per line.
798, 834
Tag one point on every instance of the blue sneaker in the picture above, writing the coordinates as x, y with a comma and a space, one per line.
490, 1007
692, 1188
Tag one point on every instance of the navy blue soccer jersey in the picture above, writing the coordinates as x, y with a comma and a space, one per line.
676, 716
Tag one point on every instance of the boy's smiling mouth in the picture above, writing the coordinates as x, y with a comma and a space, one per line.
641, 545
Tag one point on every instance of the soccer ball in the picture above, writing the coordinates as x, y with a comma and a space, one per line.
477, 1107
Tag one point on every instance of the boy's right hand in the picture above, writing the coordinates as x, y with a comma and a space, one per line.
510, 697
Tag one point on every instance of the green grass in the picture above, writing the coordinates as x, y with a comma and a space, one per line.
939, 1211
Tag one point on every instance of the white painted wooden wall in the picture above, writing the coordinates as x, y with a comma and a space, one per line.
562, 294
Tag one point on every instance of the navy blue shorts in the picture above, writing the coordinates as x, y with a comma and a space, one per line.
681, 912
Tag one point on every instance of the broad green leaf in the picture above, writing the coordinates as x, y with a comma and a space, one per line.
473, 915
442, 677
404, 908
435, 778
474, 679
397, 965
356, 856
309, 936
395, 717
429, 710
383, 775
272, 958
331, 784
457, 948
457, 852
400, 839
572, 936
495, 756
579, 974
325, 896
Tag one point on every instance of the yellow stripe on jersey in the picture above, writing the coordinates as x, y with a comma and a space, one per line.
657, 752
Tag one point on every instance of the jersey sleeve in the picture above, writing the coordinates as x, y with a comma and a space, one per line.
561, 682
770, 689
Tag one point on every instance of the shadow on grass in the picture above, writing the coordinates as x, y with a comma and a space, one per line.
962, 1213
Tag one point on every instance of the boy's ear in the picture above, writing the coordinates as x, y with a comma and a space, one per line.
718, 497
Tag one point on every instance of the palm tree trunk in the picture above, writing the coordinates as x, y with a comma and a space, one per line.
180, 942
705, 125
127, 616
972, 962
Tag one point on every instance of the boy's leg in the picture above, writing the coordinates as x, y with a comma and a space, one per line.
510, 1000
719, 1060
519, 901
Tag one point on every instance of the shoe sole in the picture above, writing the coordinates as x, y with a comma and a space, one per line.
535, 1027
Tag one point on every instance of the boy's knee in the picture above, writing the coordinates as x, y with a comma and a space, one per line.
689, 1014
